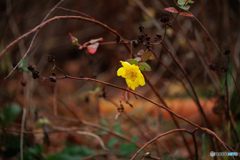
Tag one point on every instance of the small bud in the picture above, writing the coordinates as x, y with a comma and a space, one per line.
51, 58
74, 40
148, 45
147, 37
31, 68
35, 74
53, 78
140, 39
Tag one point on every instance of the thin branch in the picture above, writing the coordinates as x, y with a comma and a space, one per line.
85, 133
30, 46
191, 85
115, 33
22, 129
159, 136
102, 128
74, 11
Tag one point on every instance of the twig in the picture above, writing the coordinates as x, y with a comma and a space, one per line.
228, 111
115, 33
225, 61
74, 11
159, 136
102, 128
85, 133
172, 116
30, 46
22, 129
191, 85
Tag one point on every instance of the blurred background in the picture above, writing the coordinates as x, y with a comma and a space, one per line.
48, 101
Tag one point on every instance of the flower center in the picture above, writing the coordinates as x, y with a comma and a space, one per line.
131, 74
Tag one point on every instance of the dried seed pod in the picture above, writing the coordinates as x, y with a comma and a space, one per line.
141, 28
212, 66
164, 19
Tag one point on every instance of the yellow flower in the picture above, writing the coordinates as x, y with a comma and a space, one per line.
132, 74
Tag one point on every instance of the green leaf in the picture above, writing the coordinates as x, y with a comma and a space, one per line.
144, 66
135, 138
181, 2
9, 114
186, 7
72, 152
117, 128
190, 1
23, 63
33, 152
112, 142
145, 56
127, 149
132, 61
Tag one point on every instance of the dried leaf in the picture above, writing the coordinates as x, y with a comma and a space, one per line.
140, 52
186, 14
92, 48
171, 9
145, 56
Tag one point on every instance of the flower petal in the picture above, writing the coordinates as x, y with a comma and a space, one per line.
121, 72
131, 84
125, 64
132, 75
141, 79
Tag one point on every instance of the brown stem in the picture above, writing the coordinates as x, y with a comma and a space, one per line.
179, 130
191, 85
171, 71
228, 111
115, 33
172, 116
